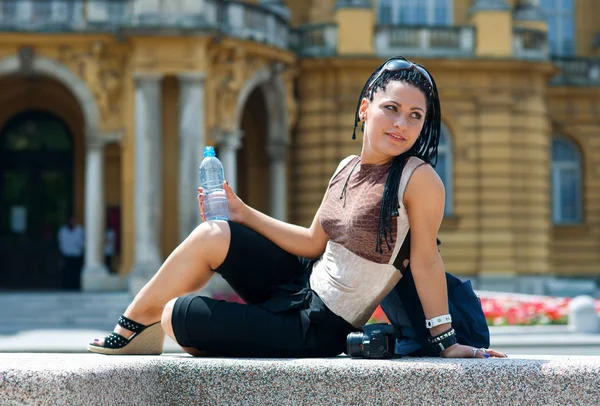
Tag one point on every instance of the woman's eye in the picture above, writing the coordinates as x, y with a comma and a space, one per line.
392, 107
417, 116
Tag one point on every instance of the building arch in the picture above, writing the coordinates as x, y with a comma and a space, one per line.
269, 83
44, 66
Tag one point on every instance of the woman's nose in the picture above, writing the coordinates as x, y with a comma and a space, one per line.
401, 123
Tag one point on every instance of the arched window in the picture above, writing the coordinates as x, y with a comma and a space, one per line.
444, 166
561, 26
567, 191
35, 131
36, 197
415, 12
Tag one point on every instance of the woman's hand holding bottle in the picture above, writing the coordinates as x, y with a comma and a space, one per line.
238, 210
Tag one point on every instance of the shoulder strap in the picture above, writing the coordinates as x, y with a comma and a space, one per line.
342, 165
411, 164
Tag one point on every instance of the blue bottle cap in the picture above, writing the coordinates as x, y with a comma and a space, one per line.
209, 151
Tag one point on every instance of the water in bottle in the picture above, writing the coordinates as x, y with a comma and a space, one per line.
212, 177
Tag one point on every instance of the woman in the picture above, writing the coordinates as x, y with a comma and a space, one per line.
306, 288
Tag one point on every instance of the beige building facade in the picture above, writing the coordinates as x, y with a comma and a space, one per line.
107, 105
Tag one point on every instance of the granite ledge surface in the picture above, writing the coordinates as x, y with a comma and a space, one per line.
82, 379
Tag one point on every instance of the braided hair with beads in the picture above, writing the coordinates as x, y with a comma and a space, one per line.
425, 147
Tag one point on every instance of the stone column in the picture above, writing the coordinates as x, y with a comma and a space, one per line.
95, 275
191, 145
229, 143
492, 20
148, 176
345, 13
278, 200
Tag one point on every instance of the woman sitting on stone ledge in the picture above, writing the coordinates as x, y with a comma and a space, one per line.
305, 289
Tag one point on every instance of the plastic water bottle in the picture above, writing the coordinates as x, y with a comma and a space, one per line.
212, 177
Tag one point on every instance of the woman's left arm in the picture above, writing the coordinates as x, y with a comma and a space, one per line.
424, 200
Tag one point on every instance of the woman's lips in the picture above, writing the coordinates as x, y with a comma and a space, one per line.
396, 136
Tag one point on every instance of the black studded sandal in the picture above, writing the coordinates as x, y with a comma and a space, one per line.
146, 340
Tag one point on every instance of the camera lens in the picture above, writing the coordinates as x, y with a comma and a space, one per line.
354, 343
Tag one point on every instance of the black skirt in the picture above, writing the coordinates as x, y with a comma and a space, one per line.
282, 316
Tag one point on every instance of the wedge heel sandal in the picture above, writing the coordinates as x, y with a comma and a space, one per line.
146, 340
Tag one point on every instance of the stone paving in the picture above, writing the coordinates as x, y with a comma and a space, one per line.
66, 322
550, 340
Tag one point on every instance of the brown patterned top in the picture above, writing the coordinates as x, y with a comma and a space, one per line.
353, 220
338, 277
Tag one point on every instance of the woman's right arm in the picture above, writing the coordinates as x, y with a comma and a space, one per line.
305, 242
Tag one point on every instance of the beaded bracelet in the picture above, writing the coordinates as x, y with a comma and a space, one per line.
443, 341
441, 336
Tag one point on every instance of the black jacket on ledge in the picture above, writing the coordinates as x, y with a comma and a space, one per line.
403, 308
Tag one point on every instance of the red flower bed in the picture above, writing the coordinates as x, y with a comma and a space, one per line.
509, 311
523, 311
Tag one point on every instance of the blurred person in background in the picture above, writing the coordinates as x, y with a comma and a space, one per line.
110, 239
71, 244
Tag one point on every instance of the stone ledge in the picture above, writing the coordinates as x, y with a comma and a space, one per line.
175, 379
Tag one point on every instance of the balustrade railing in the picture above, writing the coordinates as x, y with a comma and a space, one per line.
529, 43
315, 40
428, 41
235, 18
255, 23
577, 71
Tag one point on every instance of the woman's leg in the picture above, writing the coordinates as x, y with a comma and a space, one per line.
189, 267
207, 327
167, 326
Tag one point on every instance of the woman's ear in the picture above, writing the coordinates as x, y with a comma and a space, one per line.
362, 111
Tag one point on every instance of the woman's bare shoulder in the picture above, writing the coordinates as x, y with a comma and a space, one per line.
424, 185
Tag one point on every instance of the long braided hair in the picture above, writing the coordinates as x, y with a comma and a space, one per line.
425, 147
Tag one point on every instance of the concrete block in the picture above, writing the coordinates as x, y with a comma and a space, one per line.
582, 315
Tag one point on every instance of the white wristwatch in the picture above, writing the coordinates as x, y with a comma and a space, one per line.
436, 321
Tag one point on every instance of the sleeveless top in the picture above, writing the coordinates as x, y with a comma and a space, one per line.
351, 277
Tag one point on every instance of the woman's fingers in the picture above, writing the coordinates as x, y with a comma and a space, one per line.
495, 353
489, 353
228, 190
201, 203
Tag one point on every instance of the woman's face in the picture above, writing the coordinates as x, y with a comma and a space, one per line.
393, 121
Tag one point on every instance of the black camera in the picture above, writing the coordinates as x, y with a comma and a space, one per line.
376, 341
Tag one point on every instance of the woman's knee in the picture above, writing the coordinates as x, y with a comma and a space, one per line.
166, 320
218, 231
212, 238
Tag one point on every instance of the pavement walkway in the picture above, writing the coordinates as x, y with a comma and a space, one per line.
66, 322
536, 340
